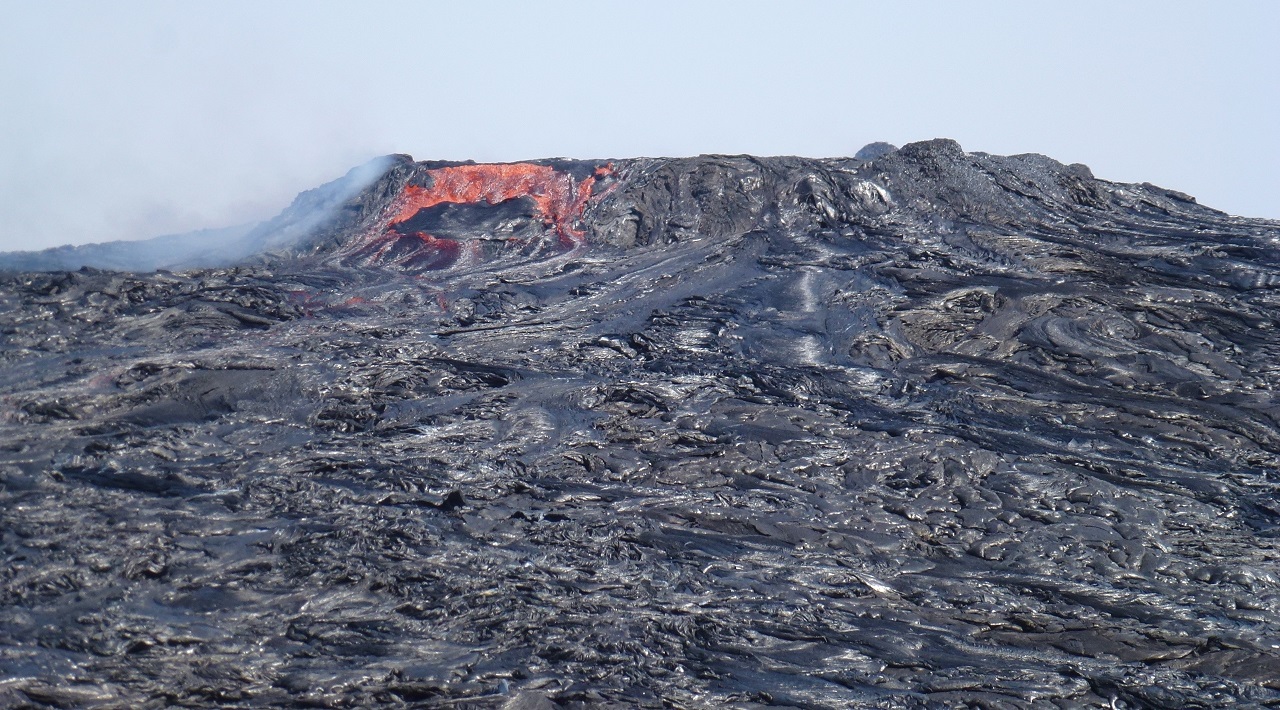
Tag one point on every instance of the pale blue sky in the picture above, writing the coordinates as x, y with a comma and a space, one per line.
132, 119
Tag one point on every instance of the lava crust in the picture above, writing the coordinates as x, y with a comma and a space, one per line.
924, 428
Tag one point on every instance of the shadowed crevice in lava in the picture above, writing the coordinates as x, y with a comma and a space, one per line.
518, 203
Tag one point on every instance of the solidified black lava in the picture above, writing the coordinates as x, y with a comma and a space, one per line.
927, 429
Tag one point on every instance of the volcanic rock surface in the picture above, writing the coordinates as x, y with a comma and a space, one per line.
923, 429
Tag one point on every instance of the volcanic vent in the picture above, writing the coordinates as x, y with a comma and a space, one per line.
454, 215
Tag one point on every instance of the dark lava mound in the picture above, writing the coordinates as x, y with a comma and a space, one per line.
922, 429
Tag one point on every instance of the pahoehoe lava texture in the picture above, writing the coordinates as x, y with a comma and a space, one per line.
927, 428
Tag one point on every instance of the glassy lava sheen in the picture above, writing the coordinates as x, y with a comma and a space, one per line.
925, 429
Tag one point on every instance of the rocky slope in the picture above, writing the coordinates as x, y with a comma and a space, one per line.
928, 428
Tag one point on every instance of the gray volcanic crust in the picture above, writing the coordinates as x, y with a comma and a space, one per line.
923, 429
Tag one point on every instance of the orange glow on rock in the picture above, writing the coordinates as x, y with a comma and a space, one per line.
559, 201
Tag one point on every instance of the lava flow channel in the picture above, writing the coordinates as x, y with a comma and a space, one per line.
558, 199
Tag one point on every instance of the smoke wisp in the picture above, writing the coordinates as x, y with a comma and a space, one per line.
207, 248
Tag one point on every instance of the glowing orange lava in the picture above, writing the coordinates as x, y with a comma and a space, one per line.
559, 201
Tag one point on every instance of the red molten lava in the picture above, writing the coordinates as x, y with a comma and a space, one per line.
559, 200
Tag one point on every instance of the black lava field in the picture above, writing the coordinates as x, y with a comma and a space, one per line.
922, 428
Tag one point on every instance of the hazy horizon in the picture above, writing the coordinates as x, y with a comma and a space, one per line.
139, 119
